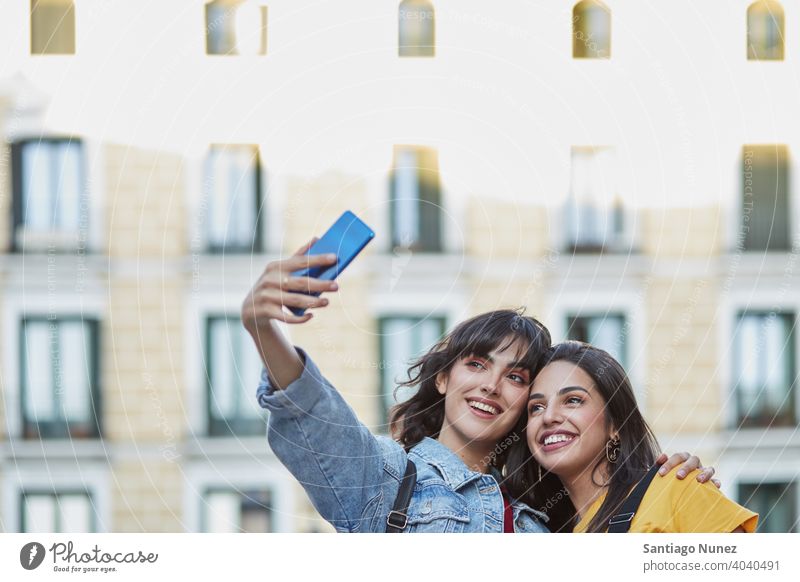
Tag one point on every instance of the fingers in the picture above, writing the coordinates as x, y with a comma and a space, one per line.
705, 474
302, 250
279, 298
298, 262
717, 483
674, 461
308, 285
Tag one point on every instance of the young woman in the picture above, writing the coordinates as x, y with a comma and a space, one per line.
590, 446
470, 406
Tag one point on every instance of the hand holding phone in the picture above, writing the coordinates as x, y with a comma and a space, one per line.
345, 238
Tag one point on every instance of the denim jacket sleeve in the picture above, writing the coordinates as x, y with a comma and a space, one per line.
316, 435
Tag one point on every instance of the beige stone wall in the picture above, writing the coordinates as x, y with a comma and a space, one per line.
147, 497
683, 392
682, 232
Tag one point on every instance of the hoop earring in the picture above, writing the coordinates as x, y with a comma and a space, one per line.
540, 473
612, 450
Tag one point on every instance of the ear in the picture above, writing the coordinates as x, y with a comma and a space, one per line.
441, 383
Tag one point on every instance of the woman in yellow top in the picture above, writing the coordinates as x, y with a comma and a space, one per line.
588, 446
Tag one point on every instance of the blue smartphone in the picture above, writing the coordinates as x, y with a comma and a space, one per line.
346, 238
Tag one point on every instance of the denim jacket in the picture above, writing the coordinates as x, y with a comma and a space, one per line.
353, 476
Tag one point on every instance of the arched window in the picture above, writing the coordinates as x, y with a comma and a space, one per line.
52, 27
235, 27
591, 30
417, 29
765, 31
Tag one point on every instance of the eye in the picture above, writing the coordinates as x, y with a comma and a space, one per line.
478, 364
518, 378
534, 408
574, 400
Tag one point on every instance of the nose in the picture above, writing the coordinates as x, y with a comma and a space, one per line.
552, 415
489, 388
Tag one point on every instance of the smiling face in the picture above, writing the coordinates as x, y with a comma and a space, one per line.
567, 428
484, 398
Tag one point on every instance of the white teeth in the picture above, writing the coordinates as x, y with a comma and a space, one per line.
557, 438
484, 407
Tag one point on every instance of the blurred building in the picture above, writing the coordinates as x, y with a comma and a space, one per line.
622, 169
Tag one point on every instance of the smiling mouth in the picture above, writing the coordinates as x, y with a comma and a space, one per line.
483, 407
556, 441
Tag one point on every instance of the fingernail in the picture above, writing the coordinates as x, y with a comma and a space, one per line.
681, 474
334, 286
662, 471
331, 257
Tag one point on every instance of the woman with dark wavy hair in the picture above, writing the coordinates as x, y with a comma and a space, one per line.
473, 386
587, 446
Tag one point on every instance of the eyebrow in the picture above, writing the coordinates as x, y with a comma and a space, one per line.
510, 366
560, 392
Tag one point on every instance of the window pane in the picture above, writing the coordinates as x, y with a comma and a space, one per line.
73, 386
402, 340
52, 27
764, 370
249, 368
76, 513
416, 29
40, 513
68, 177
231, 184
775, 504
221, 27
591, 30
765, 26
406, 197
39, 398
593, 207
222, 371
222, 512
607, 332
38, 204
256, 512
765, 212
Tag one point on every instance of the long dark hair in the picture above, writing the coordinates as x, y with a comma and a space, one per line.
423, 414
638, 447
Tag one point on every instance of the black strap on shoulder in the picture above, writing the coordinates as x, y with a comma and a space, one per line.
398, 516
621, 522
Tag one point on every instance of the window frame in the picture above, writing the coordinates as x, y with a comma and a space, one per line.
220, 428
211, 247
56, 494
31, 430
20, 198
430, 200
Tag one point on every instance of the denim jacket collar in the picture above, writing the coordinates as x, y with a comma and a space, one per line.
454, 471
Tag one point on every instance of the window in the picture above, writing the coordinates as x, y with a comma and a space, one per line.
595, 215
52, 27
232, 363
59, 377
416, 199
231, 511
764, 372
236, 27
765, 31
765, 204
417, 29
57, 512
606, 331
232, 185
50, 207
775, 503
401, 340
591, 30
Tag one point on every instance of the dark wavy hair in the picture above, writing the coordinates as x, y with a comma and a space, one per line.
423, 414
638, 448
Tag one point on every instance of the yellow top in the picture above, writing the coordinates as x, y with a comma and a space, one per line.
682, 506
